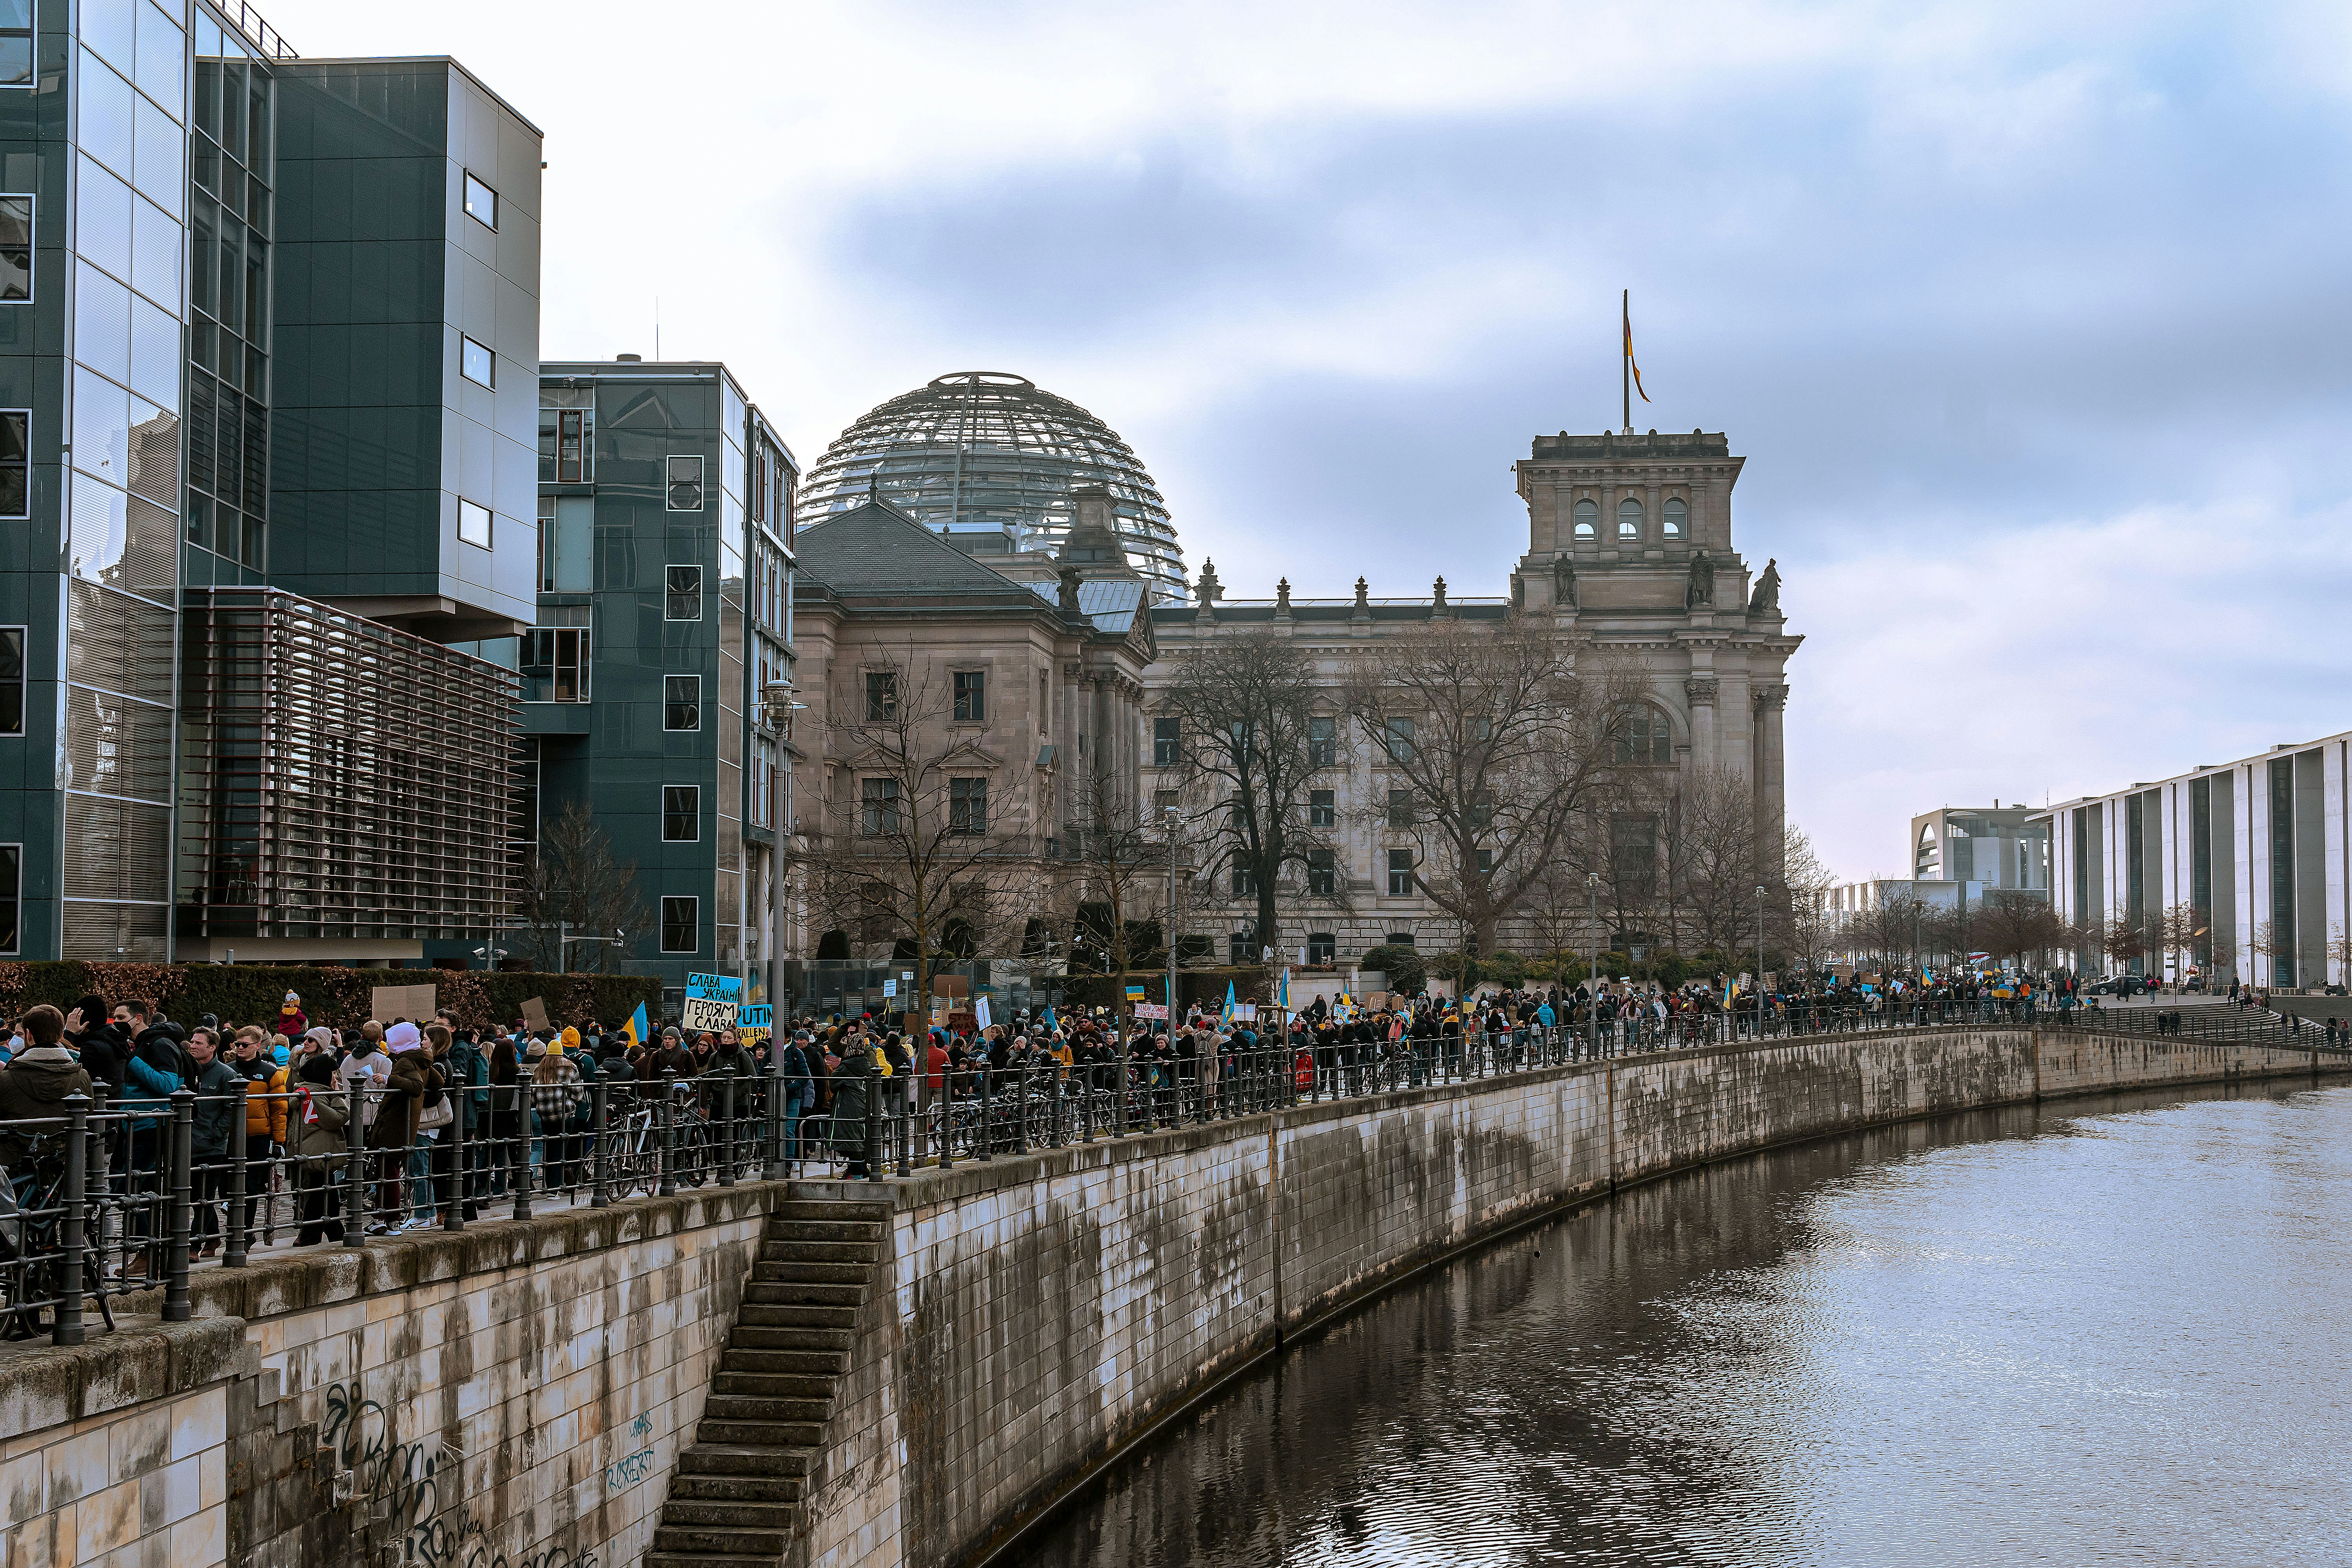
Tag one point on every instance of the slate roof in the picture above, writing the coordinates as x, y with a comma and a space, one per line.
1110, 602
878, 549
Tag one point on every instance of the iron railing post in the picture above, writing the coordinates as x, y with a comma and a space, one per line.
65, 1318
233, 1255
182, 1207
666, 1154
600, 1190
453, 1213
774, 1168
726, 1130
873, 1146
522, 1114
355, 1203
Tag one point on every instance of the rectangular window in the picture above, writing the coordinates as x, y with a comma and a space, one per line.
684, 600
15, 462
571, 446
1322, 950
681, 925
966, 805
11, 681
681, 702
12, 894
1486, 859
1164, 734
481, 203
16, 249
1398, 740
881, 695
878, 805
971, 694
1322, 873
1400, 873
15, 70
555, 664
1322, 811
473, 524
681, 813
1400, 808
475, 362
685, 484
1322, 742
1245, 883
567, 544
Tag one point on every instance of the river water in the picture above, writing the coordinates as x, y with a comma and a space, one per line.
2111, 1330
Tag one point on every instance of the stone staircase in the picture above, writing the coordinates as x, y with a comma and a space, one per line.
739, 1486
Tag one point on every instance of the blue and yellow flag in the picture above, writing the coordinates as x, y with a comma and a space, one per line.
1226, 1017
639, 1027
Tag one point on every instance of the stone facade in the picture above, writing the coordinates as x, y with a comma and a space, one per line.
1630, 551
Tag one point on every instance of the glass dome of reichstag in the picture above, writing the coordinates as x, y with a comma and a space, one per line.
983, 451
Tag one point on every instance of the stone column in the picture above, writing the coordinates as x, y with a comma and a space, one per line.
1772, 802
1699, 690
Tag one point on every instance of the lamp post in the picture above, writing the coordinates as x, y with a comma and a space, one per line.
1592, 973
1759, 963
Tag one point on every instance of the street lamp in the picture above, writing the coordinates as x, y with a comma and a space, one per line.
563, 945
1759, 963
1592, 973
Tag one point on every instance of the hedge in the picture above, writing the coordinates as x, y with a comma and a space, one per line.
252, 993
1251, 982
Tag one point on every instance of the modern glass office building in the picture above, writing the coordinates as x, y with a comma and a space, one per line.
664, 602
268, 341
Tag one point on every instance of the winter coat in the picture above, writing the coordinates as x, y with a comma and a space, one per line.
317, 1121
104, 1048
216, 1110
554, 1096
151, 1073
34, 1087
853, 1083
395, 1119
265, 1103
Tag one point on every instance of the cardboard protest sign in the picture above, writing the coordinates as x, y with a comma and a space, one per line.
414, 1003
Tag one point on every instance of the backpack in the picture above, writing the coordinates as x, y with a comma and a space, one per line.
466, 1063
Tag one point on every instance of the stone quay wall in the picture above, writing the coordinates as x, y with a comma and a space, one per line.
514, 1395
1049, 1311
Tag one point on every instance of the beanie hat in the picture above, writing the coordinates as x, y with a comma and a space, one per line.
402, 1036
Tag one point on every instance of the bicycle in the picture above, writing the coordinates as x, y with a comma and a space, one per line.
31, 1259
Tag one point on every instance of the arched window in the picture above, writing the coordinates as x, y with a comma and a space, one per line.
1677, 517
1587, 521
1647, 737
1628, 519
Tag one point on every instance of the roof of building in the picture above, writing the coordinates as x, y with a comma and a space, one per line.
1329, 610
878, 549
1110, 602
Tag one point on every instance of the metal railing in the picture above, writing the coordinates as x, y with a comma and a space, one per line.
2221, 1023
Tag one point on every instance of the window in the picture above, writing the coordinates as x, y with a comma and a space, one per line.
1486, 859
878, 805
481, 203
11, 681
966, 805
1400, 808
1628, 519
474, 524
1677, 516
1322, 742
681, 925
1245, 882
881, 695
16, 249
1164, 801
1633, 854
15, 70
681, 813
684, 600
681, 702
475, 362
567, 544
571, 446
16, 463
1322, 873
686, 484
1322, 811
1647, 737
1400, 873
971, 695
1398, 740
1587, 521
1164, 734
555, 664
1322, 950
1399, 939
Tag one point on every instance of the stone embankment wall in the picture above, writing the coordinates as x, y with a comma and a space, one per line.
514, 1395
1052, 1309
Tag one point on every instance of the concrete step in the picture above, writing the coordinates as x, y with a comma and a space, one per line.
874, 1213
720, 1541
715, 1458
739, 1514
801, 1293
759, 1434
816, 1387
813, 1362
780, 1491
724, 1407
756, 1315
812, 1273
707, 1560
819, 1252
760, 1337
824, 1230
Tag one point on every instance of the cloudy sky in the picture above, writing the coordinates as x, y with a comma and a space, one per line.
2033, 321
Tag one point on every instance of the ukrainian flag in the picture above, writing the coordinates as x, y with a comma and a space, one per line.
639, 1027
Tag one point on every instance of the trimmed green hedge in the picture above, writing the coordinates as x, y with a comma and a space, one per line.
251, 993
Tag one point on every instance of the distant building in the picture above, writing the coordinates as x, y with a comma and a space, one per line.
2253, 853
1994, 847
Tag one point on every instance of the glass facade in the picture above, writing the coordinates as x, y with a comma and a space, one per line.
229, 310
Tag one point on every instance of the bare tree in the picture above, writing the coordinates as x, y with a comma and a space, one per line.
1118, 860
1811, 925
1492, 739
1558, 914
2013, 924
1249, 749
2340, 953
572, 886
918, 844
2120, 940
1712, 861
2178, 930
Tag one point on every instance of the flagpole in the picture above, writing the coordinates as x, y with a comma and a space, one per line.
1625, 355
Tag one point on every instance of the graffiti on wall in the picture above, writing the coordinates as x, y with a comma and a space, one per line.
630, 1468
